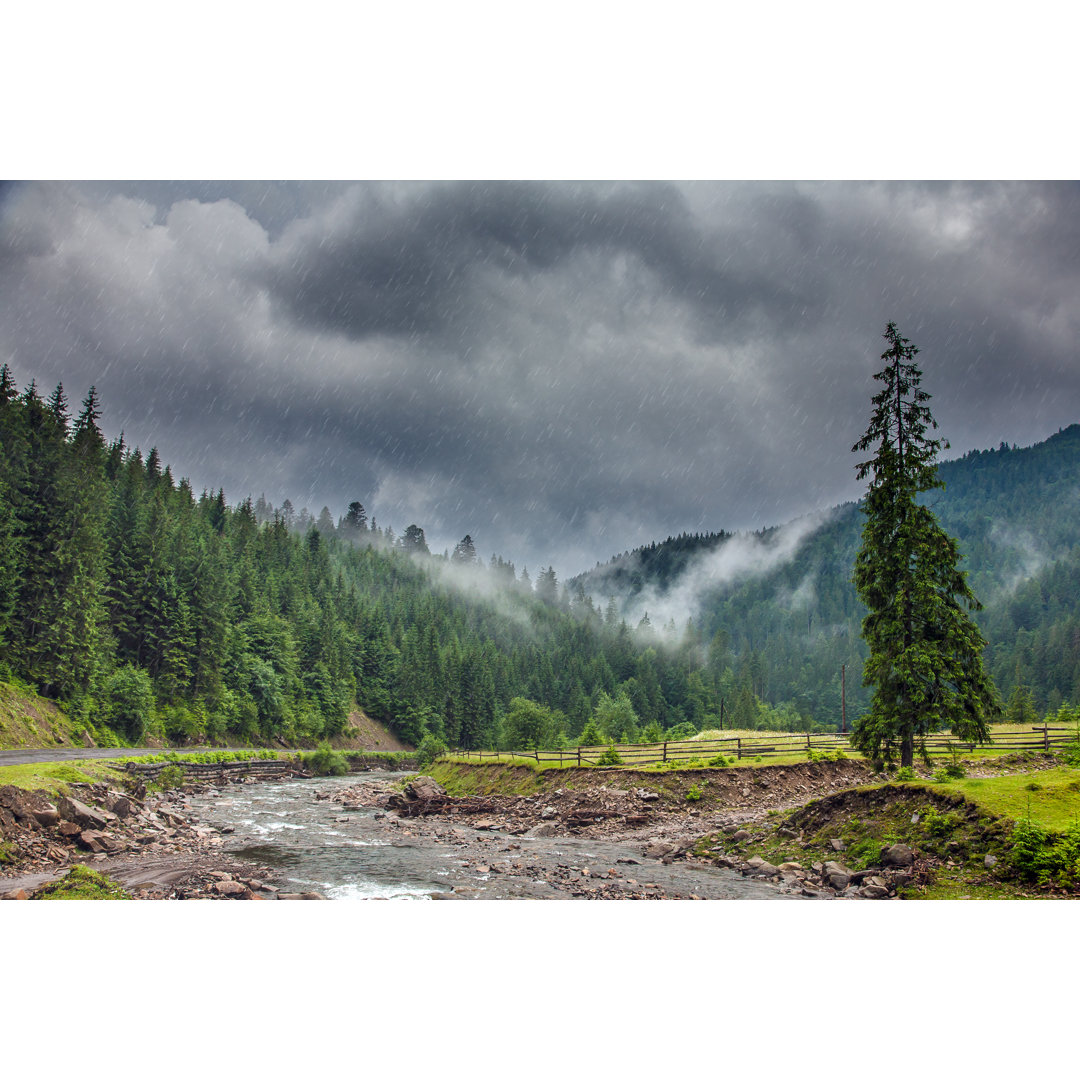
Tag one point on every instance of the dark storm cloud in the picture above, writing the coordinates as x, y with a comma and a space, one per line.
417, 264
562, 370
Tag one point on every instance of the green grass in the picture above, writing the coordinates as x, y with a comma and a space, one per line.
54, 776
82, 883
1051, 797
202, 757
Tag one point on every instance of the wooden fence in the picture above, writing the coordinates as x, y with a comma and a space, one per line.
769, 745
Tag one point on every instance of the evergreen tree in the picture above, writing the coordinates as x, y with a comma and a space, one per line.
413, 540
925, 662
465, 551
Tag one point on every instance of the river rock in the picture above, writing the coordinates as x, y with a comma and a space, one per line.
88, 817
899, 855
837, 845
647, 796
740, 835
423, 787
874, 892
836, 875
232, 889
990, 861
760, 868
48, 816
658, 849
90, 839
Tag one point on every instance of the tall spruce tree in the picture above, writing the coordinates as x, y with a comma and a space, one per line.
925, 662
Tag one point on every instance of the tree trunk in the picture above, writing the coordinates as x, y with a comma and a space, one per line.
907, 750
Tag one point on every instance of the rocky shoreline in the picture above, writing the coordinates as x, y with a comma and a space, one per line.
148, 843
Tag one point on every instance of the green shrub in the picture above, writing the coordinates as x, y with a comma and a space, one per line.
693, 793
1045, 857
953, 771
905, 772
609, 757
429, 749
326, 761
172, 776
935, 823
129, 701
718, 762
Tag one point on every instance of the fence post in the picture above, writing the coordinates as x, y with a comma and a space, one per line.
665, 750
738, 748
808, 740
579, 757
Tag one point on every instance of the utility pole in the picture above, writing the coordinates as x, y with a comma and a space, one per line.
843, 699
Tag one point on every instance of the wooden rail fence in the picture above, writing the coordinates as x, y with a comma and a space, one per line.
1042, 737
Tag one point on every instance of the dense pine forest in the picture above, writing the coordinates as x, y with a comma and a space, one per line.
146, 608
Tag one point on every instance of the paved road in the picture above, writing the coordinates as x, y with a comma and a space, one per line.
30, 755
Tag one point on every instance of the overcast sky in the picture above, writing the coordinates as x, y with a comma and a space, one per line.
561, 370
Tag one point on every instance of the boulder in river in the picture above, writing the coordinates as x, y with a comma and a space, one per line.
423, 787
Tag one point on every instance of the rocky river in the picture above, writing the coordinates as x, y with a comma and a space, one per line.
303, 832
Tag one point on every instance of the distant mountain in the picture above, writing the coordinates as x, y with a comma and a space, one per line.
783, 601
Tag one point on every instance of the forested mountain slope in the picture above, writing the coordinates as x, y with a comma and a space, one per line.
792, 619
143, 606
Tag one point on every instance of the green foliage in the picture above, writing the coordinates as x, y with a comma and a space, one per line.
937, 823
718, 762
172, 776
325, 761
905, 773
129, 701
693, 793
82, 883
925, 660
616, 718
609, 757
952, 771
429, 749
1045, 857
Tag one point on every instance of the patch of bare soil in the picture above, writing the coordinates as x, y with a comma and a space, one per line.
365, 733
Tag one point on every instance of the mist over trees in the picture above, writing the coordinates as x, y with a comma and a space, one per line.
147, 608
1014, 514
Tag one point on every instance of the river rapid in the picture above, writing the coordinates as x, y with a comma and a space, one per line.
368, 854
